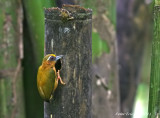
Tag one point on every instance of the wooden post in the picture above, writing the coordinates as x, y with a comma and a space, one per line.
68, 32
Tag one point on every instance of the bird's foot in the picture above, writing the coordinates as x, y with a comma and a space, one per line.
59, 77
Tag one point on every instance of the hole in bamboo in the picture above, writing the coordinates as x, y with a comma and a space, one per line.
58, 64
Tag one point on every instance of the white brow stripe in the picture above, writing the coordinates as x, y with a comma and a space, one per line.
48, 58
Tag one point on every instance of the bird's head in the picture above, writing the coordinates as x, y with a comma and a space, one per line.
52, 60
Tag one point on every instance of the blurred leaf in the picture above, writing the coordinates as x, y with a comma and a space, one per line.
99, 46
33, 53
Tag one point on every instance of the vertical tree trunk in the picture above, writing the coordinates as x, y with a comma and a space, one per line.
68, 32
11, 53
104, 56
154, 94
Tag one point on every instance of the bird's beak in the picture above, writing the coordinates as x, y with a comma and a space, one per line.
59, 57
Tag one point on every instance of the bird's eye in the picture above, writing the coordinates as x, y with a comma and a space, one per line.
51, 58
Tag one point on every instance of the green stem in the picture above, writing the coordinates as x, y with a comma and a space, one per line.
154, 94
33, 53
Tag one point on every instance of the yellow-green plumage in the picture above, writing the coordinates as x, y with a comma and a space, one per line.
47, 78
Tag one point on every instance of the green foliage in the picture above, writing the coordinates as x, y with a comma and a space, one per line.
157, 2
111, 8
99, 46
109, 5
91, 4
48, 3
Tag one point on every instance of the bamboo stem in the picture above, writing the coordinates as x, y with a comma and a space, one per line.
154, 94
68, 32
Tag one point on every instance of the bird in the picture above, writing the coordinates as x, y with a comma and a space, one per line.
48, 76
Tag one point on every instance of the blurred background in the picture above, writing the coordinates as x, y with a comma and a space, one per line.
121, 55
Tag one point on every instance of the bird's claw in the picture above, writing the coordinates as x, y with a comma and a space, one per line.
59, 77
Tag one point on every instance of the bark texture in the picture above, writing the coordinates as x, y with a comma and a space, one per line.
68, 32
